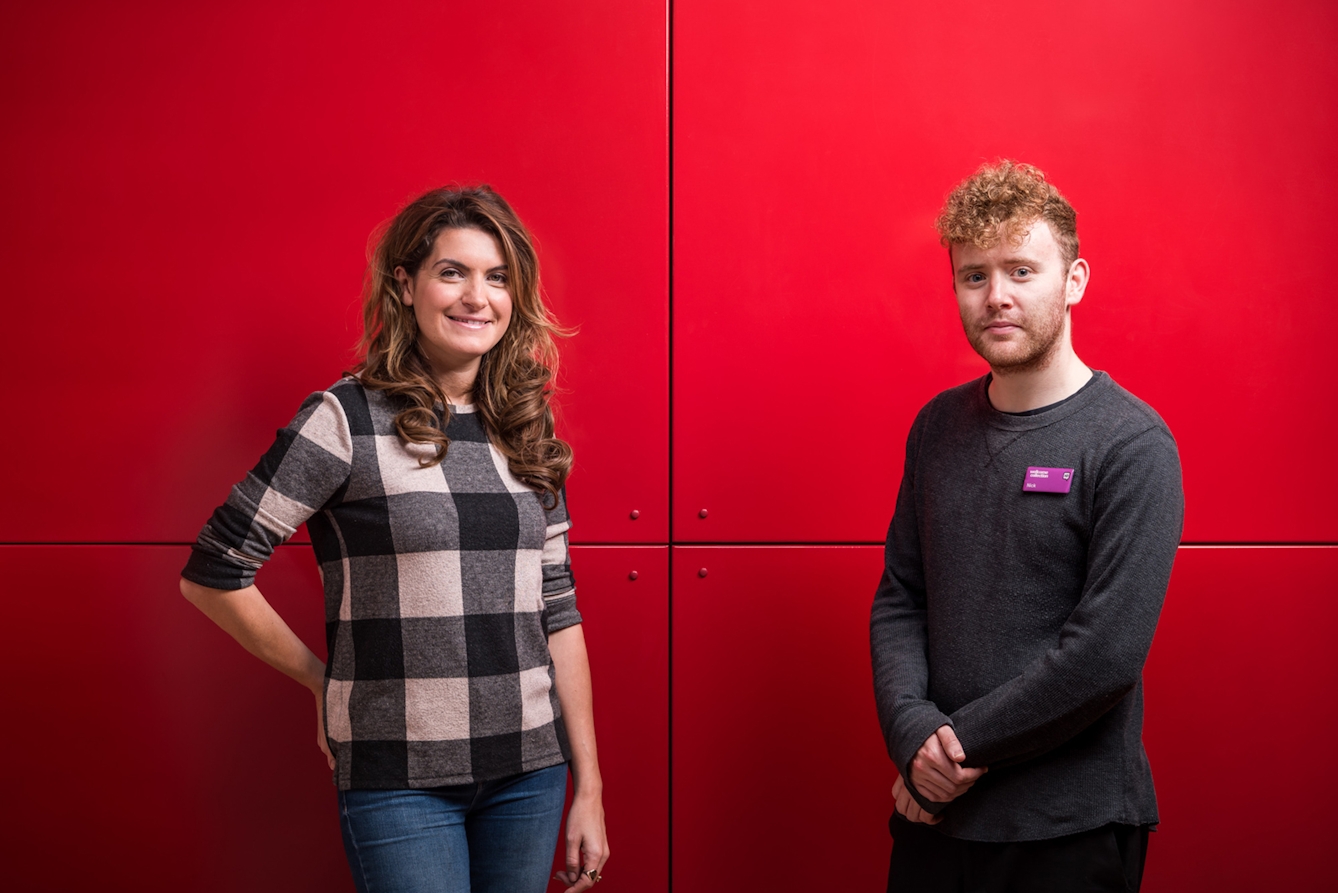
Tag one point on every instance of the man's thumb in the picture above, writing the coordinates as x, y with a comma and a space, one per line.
951, 746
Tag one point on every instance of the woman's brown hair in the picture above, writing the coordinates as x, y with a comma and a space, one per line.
515, 379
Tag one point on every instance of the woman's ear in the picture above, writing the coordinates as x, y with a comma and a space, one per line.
406, 286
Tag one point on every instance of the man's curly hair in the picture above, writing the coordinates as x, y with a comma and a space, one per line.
1000, 202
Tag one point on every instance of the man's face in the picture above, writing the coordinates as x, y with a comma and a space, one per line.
1014, 298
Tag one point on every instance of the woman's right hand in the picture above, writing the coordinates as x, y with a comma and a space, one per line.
247, 617
321, 741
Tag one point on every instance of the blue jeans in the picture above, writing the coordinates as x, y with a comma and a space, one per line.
494, 837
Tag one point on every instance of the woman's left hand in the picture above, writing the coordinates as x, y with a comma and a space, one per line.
587, 844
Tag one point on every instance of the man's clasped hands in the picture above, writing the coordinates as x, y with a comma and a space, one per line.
937, 773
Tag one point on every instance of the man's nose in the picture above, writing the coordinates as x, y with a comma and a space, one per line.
997, 294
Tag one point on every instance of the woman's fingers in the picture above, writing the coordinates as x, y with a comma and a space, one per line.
321, 741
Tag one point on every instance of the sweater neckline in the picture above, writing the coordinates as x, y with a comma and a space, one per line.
456, 408
1007, 421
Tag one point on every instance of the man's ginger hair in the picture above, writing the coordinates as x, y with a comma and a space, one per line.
1000, 202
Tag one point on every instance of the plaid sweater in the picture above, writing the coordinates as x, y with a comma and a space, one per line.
441, 587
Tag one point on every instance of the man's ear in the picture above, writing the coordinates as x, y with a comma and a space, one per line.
1076, 282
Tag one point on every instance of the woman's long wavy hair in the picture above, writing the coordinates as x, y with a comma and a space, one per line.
515, 381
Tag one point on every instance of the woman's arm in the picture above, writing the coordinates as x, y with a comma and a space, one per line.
247, 617
585, 821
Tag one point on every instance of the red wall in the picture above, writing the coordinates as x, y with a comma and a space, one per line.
188, 193
187, 197
813, 145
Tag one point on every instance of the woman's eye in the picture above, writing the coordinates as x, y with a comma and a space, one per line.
499, 278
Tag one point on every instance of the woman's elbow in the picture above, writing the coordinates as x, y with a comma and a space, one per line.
193, 592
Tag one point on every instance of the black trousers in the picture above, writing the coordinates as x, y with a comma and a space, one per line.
1105, 860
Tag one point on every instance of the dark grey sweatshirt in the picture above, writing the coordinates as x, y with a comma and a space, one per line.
1023, 619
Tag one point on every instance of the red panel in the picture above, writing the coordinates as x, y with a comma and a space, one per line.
814, 144
627, 633
146, 749
776, 746
188, 194
1240, 705
131, 718
780, 773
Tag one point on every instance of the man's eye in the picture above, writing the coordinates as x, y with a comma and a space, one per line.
1024, 271
975, 278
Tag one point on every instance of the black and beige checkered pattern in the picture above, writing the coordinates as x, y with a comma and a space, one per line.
441, 586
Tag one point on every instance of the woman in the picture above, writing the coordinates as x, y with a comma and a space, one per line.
432, 486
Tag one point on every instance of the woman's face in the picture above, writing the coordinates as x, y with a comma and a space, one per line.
461, 299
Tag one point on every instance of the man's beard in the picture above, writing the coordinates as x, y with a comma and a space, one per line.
1041, 333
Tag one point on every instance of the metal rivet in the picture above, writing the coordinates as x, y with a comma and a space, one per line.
702, 572
702, 513
635, 514
632, 575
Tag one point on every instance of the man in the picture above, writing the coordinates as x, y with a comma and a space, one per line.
1026, 564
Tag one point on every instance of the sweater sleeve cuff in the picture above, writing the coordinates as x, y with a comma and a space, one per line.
207, 570
560, 612
914, 726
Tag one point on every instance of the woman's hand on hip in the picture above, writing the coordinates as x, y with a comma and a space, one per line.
321, 741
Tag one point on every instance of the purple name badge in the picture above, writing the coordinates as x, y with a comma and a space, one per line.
1047, 480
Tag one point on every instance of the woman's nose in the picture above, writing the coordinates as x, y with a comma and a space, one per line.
472, 293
